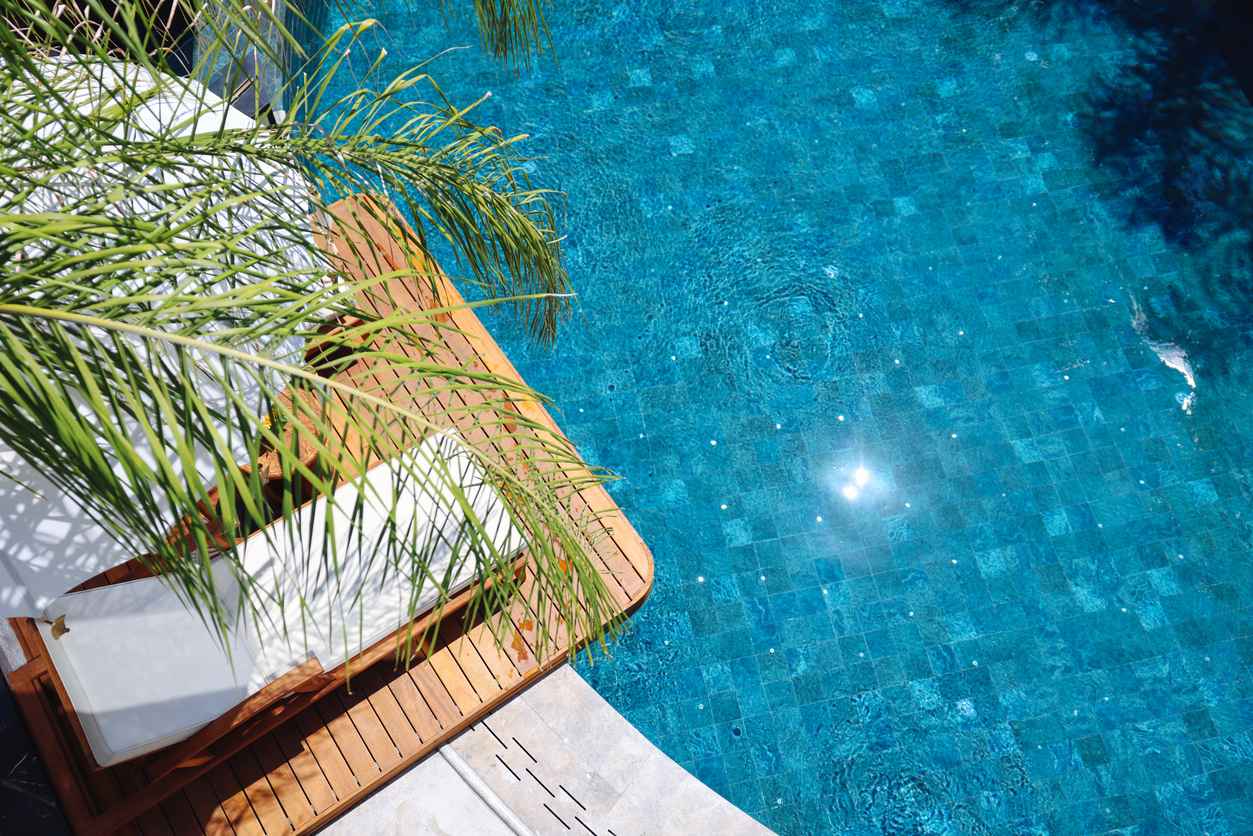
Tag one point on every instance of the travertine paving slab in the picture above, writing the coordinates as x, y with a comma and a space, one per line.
404, 807
565, 762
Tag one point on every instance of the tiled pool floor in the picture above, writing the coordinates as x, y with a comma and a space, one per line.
875, 235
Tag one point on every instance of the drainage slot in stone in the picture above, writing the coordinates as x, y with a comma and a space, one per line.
557, 817
502, 743
524, 749
585, 827
515, 775
541, 783
572, 798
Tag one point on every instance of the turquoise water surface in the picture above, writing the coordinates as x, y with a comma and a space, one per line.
920, 334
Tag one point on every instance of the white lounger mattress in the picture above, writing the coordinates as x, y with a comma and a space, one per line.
143, 672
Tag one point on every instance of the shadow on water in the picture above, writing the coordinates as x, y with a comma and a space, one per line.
1172, 127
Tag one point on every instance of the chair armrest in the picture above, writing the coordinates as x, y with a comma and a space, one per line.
290, 692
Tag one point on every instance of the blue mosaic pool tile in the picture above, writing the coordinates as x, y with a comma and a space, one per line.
876, 235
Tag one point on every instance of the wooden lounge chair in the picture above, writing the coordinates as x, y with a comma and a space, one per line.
143, 673
140, 675
154, 787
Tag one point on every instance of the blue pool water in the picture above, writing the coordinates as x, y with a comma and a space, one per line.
961, 246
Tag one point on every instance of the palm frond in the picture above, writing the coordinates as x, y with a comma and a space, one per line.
513, 29
177, 347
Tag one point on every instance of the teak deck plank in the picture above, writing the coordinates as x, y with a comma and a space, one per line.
331, 761
415, 708
443, 709
233, 804
366, 721
330, 756
374, 683
283, 780
151, 823
450, 675
471, 664
206, 809
309, 778
360, 762
258, 790
179, 813
493, 656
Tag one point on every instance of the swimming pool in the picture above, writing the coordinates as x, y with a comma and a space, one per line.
950, 534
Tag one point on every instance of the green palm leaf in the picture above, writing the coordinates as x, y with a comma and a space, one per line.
171, 331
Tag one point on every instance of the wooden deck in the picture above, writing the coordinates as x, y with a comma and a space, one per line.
330, 756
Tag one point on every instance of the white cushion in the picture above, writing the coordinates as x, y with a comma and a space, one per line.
143, 672
336, 620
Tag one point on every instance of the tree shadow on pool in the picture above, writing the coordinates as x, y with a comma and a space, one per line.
1173, 127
